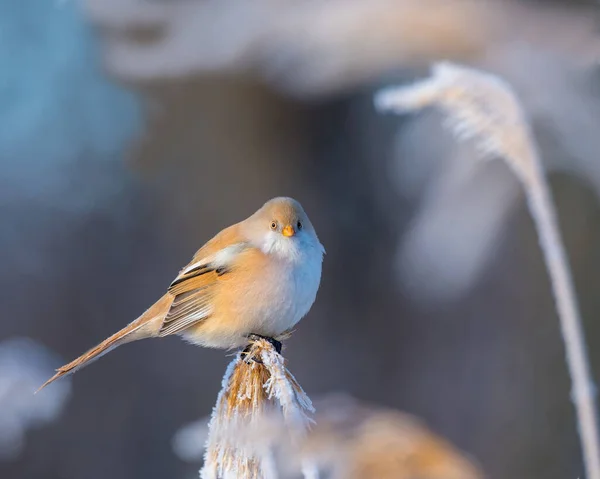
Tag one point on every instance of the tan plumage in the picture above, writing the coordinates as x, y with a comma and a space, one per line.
258, 276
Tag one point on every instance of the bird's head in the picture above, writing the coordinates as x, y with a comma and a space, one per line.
282, 227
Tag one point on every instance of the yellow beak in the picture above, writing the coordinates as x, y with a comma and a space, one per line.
288, 231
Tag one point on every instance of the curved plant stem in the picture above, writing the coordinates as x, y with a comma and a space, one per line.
483, 107
544, 216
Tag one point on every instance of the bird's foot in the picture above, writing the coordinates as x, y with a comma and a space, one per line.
255, 337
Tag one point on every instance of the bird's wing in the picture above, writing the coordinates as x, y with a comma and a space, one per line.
194, 288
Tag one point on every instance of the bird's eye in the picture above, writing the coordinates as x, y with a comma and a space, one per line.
299, 225
274, 225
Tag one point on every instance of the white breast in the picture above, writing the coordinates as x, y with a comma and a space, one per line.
299, 273
306, 278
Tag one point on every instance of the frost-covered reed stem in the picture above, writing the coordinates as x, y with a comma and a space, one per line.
483, 107
253, 387
582, 392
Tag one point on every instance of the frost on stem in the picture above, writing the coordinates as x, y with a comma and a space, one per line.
483, 107
478, 106
253, 388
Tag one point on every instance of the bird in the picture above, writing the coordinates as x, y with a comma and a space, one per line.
256, 278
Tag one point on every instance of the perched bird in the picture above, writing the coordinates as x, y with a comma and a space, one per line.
257, 277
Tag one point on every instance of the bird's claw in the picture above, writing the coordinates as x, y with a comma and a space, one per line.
255, 337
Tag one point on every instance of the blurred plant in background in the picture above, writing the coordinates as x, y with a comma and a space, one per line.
483, 108
306, 48
350, 440
23, 364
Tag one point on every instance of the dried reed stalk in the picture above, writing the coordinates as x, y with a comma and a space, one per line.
483, 107
253, 387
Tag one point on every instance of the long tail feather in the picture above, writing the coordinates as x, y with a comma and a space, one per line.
146, 326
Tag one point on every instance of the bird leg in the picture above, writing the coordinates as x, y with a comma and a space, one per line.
255, 337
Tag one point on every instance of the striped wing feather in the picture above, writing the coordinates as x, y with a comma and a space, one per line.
192, 303
194, 288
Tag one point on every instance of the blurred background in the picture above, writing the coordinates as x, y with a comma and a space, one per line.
134, 130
